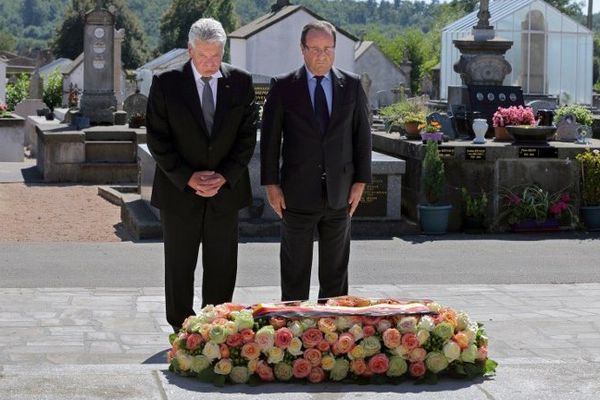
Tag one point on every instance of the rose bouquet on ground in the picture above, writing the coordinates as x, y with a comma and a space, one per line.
348, 339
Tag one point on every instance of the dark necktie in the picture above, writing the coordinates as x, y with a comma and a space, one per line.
321, 109
208, 104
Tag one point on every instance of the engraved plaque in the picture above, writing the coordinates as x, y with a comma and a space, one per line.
374, 198
475, 153
538, 152
446, 152
99, 47
99, 62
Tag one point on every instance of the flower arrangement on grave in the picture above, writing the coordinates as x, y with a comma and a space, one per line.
531, 203
137, 120
513, 115
589, 164
347, 339
582, 115
4, 113
431, 130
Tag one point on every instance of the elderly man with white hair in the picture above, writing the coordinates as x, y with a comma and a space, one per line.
201, 124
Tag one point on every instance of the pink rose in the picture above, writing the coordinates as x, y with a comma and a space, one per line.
311, 337
247, 335
250, 351
301, 368
379, 363
410, 341
264, 371
344, 343
283, 338
193, 341
366, 320
383, 325
277, 322
323, 346
358, 366
417, 369
316, 375
482, 353
235, 340
392, 338
313, 356
368, 330
224, 350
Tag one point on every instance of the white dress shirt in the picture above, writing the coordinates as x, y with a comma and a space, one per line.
200, 84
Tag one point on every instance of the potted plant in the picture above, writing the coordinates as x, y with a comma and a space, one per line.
589, 163
431, 131
433, 215
474, 210
529, 208
567, 128
397, 115
513, 115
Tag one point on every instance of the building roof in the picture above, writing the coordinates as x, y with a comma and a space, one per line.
69, 68
361, 48
163, 59
272, 18
56, 64
16, 61
500, 9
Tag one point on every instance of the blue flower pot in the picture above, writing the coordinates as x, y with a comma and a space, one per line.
434, 219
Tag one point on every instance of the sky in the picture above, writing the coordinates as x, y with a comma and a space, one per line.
584, 8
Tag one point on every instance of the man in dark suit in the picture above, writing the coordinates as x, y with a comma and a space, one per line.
320, 113
201, 123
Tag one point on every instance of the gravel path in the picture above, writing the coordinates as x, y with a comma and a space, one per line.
52, 212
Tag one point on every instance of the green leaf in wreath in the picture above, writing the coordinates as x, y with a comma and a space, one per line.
172, 338
207, 375
254, 380
473, 370
490, 366
219, 380
430, 379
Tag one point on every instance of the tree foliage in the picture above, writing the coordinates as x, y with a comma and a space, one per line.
68, 40
17, 91
7, 41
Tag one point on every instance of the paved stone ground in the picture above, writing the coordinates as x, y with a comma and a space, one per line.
109, 343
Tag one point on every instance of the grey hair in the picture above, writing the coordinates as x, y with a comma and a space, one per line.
207, 30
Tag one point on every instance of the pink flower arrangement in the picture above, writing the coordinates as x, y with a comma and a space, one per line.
513, 115
4, 110
347, 339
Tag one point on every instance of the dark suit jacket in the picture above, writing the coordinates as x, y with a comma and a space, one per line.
180, 144
343, 153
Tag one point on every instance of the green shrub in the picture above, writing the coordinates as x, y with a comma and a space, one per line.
582, 114
17, 92
53, 89
433, 176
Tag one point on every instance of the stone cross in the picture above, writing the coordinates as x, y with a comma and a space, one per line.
2, 80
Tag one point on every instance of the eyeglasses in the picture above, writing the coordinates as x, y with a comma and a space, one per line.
316, 51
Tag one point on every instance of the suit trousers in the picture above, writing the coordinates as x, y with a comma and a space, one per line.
297, 234
218, 234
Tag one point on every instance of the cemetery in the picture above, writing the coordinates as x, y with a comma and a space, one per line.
491, 61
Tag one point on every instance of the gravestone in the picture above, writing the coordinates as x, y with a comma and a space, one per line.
118, 73
98, 101
36, 86
135, 104
2, 80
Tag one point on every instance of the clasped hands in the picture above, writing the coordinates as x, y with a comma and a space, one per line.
206, 183
277, 200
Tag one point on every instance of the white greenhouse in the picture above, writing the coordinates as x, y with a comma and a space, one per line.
552, 54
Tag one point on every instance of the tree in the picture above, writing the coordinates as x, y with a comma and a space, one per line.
176, 21
7, 41
33, 13
53, 88
68, 41
568, 7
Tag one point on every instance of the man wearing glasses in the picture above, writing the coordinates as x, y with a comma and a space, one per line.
320, 115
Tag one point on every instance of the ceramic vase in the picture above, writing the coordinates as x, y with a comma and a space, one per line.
480, 127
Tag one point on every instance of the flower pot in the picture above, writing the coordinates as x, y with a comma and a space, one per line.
531, 225
434, 219
590, 215
501, 134
434, 136
412, 130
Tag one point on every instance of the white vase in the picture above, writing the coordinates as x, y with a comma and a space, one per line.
480, 127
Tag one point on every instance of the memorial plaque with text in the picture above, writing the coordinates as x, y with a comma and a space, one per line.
374, 198
538, 152
475, 154
446, 152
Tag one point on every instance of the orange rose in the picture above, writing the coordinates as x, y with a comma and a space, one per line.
250, 351
410, 341
311, 337
417, 369
379, 363
313, 356
358, 366
316, 375
461, 339
301, 368
264, 371
392, 338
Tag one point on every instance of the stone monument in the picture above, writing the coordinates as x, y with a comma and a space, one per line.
98, 102
119, 84
2, 80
